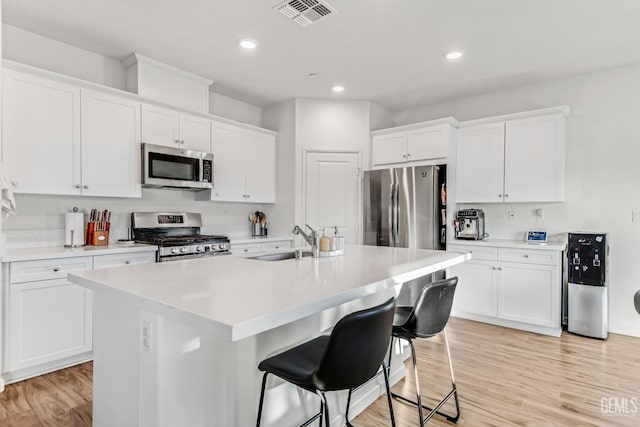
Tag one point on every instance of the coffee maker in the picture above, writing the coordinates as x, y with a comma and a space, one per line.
469, 224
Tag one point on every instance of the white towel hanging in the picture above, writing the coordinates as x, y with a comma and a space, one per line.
8, 201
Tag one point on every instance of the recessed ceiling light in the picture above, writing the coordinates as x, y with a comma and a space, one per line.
338, 88
247, 43
453, 55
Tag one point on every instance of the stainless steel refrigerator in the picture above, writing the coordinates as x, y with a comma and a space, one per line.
406, 208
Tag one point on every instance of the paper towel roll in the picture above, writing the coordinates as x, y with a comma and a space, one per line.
73, 229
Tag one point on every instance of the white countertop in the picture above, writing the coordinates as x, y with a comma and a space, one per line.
29, 254
516, 244
251, 296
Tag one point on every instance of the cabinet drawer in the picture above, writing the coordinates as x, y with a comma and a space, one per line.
116, 260
529, 257
246, 248
267, 246
56, 268
487, 253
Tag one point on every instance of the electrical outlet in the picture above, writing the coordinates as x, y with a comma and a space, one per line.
147, 336
512, 215
635, 216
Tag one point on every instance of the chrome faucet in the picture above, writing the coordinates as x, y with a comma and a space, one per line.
312, 238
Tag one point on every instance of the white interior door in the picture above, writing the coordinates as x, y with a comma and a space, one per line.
332, 192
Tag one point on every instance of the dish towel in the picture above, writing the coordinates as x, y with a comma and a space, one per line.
8, 201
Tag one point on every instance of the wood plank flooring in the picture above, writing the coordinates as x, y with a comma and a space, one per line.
505, 378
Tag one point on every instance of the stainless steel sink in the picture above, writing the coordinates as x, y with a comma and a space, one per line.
279, 256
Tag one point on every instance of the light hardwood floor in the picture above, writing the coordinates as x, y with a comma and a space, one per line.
505, 378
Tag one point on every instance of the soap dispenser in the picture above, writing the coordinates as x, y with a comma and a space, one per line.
325, 242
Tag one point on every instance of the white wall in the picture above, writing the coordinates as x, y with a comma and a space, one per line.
224, 106
42, 52
40, 219
328, 125
603, 148
381, 118
281, 117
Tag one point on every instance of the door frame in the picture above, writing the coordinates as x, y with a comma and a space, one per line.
358, 153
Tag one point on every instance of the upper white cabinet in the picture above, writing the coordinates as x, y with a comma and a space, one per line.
163, 126
419, 143
41, 134
244, 165
516, 160
110, 142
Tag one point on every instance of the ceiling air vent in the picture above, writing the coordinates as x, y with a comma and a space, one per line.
305, 12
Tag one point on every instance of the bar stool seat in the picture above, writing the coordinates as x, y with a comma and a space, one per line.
344, 360
425, 319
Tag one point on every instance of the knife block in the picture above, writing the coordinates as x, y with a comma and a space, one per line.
97, 238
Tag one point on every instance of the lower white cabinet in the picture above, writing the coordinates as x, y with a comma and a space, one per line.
48, 320
520, 288
245, 248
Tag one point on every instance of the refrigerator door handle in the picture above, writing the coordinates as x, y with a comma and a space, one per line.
396, 219
391, 214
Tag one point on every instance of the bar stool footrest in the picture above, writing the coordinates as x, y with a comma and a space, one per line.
433, 411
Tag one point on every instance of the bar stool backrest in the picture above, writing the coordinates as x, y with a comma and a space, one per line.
356, 348
432, 308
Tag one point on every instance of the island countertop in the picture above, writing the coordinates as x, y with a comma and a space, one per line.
251, 296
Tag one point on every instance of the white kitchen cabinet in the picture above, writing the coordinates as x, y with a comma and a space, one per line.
260, 167
110, 146
518, 288
118, 260
163, 126
517, 160
41, 134
250, 247
49, 320
244, 165
420, 143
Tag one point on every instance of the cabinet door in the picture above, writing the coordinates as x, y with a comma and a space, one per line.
534, 169
119, 260
195, 133
391, 148
428, 143
480, 164
49, 320
40, 134
529, 293
260, 167
227, 144
160, 126
110, 146
476, 292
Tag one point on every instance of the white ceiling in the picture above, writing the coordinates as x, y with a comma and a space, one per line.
387, 51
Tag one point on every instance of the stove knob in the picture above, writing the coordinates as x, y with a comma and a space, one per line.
183, 249
221, 246
199, 248
174, 250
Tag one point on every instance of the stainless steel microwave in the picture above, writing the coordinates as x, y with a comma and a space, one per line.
169, 167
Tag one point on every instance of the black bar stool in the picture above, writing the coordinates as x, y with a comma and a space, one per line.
346, 359
425, 319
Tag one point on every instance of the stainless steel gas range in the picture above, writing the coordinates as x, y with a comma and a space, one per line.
177, 235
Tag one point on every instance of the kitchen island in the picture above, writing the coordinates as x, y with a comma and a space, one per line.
178, 343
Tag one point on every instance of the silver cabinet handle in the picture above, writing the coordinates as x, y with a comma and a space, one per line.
499, 268
56, 269
85, 187
127, 262
177, 141
182, 141
526, 256
408, 155
78, 186
500, 196
277, 247
506, 195
246, 250
248, 196
15, 183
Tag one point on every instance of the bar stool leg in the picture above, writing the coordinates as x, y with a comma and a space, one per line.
264, 384
415, 373
453, 381
346, 414
385, 370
